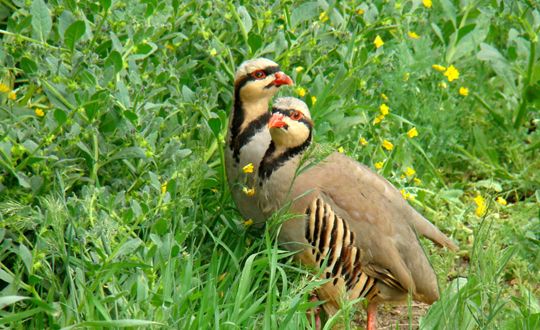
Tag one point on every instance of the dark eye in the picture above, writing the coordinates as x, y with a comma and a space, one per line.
296, 115
259, 74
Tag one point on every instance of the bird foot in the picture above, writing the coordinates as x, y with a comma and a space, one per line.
316, 312
371, 317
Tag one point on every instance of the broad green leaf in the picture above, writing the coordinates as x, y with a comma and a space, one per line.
255, 42
245, 18
9, 300
128, 247
105, 3
143, 51
114, 61
84, 148
26, 257
499, 64
215, 126
28, 66
449, 10
41, 20
304, 12
24, 181
64, 21
127, 153
5, 276
489, 184
60, 116
73, 33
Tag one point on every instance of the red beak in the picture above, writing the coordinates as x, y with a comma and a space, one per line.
282, 79
276, 121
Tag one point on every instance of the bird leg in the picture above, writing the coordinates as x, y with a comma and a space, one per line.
315, 311
371, 316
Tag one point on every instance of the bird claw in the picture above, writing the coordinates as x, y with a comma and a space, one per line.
316, 312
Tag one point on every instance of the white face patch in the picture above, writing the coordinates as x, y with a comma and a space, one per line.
256, 89
296, 134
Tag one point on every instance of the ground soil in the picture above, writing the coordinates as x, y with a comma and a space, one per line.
396, 317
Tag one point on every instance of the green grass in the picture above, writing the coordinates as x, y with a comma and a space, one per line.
114, 210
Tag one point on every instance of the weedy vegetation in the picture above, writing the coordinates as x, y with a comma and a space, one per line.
114, 209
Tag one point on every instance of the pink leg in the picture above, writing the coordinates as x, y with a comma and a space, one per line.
372, 316
316, 312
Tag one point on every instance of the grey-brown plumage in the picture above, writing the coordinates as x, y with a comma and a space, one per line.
351, 221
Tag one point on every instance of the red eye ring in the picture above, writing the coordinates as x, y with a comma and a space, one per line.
296, 115
259, 74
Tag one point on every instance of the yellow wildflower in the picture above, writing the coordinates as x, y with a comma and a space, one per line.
406, 76
501, 201
451, 73
384, 97
360, 11
363, 141
417, 181
169, 46
248, 222
213, 52
12, 96
248, 191
427, 3
438, 67
413, 35
340, 150
248, 168
301, 91
481, 206
4, 88
463, 91
387, 145
222, 276
313, 100
443, 85
164, 188
378, 119
379, 165
39, 112
323, 17
409, 171
384, 109
378, 42
299, 69
406, 195
412, 133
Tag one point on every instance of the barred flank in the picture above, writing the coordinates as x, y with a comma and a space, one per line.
332, 241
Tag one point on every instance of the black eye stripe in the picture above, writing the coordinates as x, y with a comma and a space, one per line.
268, 71
288, 112
248, 77
271, 69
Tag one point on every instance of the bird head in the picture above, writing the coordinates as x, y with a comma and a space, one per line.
290, 125
259, 78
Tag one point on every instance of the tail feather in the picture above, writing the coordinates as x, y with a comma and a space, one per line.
425, 228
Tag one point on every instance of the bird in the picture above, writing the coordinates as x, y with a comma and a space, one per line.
348, 222
256, 81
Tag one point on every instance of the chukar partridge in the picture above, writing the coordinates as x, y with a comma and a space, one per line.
255, 83
350, 221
